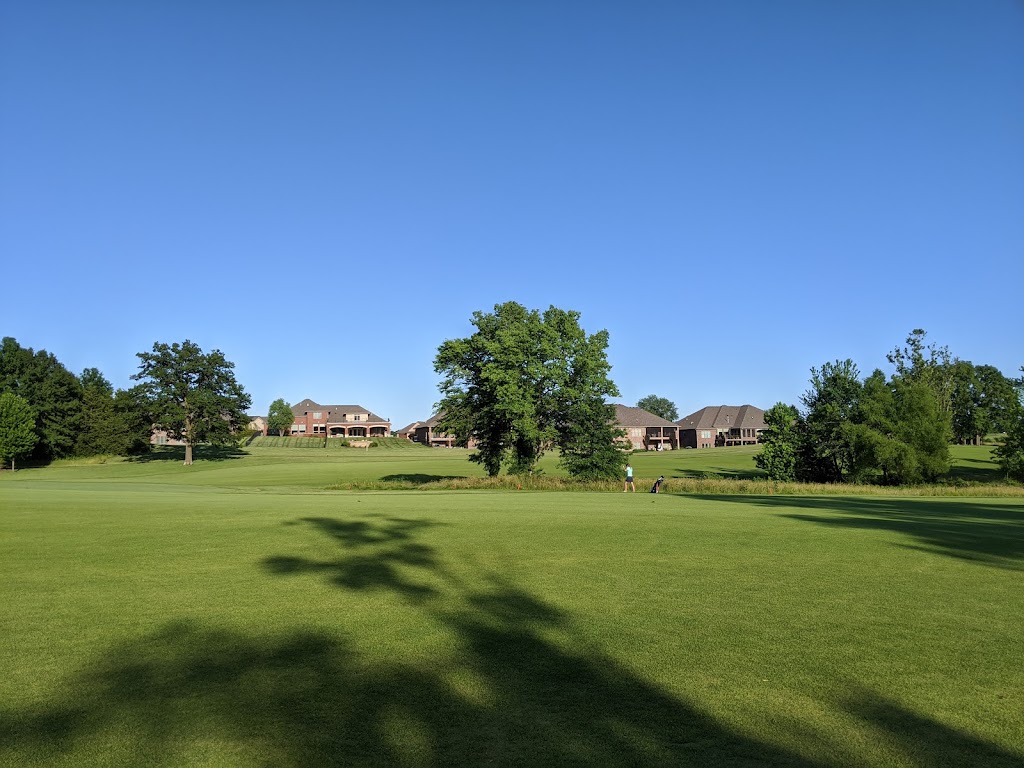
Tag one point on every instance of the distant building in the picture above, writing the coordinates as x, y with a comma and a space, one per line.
645, 430
722, 425
315, 420
427, 433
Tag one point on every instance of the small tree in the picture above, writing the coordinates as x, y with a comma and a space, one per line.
17, 428
192, 395
659, 406
779, 443
280, 417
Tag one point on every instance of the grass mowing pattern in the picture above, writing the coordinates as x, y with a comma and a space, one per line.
235, 613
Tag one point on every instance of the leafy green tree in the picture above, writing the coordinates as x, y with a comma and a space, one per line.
17, 428
982, 400
112, 422
191, 394
927, 363
1010, 453
280, 417
524, 383
902, 435
52, 391
659, 406
780, 443
826, 451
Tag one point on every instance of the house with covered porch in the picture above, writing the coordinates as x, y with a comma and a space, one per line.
646, 431
311, 419
722, 426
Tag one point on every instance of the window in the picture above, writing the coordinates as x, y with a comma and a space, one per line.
705, 434
302, 427
317, 414
356, 417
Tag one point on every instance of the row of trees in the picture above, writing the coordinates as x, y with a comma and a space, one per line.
527, 382
894, 430
47, 412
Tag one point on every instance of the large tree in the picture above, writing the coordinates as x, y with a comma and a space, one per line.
53, 392
525, 382
280, 417
192, 395
17, 428
659, 406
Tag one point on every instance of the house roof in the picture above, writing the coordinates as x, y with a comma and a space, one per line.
299, 409
631, 416
410, 427
724, 417
432, 421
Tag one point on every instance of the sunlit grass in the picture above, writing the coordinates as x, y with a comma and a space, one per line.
238, 612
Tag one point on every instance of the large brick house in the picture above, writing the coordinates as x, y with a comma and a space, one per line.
721, 425
315, 420
644, 430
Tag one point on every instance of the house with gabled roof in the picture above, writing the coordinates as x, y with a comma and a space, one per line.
408, 432
427, 433
722, 425
315, 420
645, 430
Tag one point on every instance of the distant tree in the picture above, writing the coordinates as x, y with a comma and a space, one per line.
112, 422
524, 383
52, 391
826, 452
779, 443
192, 395
927, 363
982, 399
1010, 453
902, 435
17, 428
280, 417
659, 406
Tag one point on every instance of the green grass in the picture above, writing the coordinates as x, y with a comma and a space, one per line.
237, 613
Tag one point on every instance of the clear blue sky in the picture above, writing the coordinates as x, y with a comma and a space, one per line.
326, 191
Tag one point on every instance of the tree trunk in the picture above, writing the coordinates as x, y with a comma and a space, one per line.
188, 454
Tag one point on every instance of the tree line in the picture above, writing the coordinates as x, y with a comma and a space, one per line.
527, 382
893, 430
47, 412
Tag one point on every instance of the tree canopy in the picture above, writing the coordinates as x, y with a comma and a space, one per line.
525, 382
659, 406
192, 395
50, 389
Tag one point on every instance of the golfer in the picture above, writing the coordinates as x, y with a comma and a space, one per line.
629, 479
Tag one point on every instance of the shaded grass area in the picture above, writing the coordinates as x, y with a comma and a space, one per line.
477, 628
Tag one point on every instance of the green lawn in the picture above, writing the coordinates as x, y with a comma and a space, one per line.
235, 613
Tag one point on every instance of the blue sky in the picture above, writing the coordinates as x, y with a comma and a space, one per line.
326, 191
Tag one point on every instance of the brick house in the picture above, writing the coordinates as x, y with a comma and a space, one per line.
426, 433
315, 420
722, 425
644, 430
408, 432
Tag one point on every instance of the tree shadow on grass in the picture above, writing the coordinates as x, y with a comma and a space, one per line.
728, 473
519, 687
420, 479
977, 471
199, 453
975, 530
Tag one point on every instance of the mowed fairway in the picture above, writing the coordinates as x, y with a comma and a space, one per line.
234, 613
